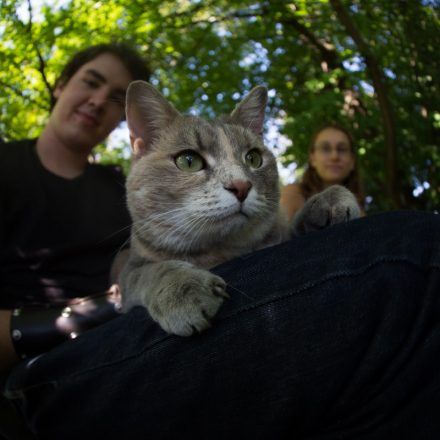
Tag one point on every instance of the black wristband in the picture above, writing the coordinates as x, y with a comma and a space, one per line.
35, 330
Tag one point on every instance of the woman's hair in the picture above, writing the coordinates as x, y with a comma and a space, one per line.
129, 57
311, 183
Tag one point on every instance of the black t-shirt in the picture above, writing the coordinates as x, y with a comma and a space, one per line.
58, 236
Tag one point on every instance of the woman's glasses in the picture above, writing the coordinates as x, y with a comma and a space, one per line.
326, 149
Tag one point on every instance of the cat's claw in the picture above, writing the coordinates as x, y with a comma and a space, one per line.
187, 307
221, 292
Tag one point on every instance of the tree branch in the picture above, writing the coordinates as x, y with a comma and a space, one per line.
330, 56
42, 64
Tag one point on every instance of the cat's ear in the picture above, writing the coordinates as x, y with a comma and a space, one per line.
250, 112
147, 113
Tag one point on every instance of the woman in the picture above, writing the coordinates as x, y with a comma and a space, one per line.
332, 160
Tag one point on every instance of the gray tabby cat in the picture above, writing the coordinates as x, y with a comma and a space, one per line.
200, 193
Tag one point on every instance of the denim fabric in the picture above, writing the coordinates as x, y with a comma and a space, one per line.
333, 335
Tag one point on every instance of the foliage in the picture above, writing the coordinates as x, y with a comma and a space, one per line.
371, 65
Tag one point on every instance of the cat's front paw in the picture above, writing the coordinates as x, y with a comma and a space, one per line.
335, 204
187, 299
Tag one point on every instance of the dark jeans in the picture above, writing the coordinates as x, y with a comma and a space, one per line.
333, 335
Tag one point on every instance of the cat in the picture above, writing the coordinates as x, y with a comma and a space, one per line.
200, 193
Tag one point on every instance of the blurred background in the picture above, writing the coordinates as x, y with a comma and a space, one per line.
371, 65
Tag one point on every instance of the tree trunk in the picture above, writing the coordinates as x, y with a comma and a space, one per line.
382, 96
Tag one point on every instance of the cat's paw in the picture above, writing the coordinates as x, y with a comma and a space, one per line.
335, 204
187, 300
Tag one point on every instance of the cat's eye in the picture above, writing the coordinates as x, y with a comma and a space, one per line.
189, 161
253, 158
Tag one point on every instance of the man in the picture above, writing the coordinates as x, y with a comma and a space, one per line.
62, 219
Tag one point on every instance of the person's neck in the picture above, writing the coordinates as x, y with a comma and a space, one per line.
57, 158
327, 184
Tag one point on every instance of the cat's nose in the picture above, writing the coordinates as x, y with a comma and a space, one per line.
240, 189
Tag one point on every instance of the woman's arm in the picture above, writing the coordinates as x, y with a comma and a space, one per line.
291, 199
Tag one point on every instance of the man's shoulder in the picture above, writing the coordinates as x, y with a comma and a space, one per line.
16, 148
23, 143
108, 172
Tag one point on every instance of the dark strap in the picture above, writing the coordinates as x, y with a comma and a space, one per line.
35, 330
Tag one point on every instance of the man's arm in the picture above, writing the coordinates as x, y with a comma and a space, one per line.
40, 329
8, 357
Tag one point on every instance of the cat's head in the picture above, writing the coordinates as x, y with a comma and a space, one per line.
195, 184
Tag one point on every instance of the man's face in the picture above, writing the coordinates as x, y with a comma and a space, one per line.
91, 104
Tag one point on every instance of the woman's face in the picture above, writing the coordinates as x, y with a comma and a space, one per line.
331, 156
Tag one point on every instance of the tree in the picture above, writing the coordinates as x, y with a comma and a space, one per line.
361, 63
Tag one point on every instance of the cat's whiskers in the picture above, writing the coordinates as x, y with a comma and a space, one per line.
115, 233
172, 203
263, 205
168, 215
195, 226
123, 245
171, 216
193, 233
192, 223
175, 224
260, 209
179, 220
206, 229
